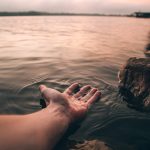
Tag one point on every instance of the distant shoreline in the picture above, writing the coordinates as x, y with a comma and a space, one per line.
35, 13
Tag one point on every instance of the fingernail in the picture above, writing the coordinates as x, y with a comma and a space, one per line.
42, 87
95, 89
76, 83
89, 86
98, 93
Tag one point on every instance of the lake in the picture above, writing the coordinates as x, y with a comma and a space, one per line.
60, 50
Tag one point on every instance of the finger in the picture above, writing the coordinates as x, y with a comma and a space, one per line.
42, 88
44, 102
94, 98
71, 88
46, 92
82, 91
90, 94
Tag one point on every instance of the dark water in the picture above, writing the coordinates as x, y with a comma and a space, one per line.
58, 51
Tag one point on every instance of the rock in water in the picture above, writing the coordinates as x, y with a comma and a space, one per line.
148, 47
84, 145
92, 145
134, 83
147, 50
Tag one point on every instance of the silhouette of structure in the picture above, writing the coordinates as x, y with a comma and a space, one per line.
142, 14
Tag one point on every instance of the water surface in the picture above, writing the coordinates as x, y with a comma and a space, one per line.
60, 50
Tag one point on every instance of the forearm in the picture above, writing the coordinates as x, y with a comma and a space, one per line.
51, 124
16, 133
40, 130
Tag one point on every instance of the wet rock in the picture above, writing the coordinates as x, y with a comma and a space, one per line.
147, 48
92, 145
134, 83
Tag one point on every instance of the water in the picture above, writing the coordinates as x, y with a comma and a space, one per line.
58, 51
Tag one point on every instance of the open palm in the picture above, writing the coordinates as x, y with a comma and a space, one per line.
75, 105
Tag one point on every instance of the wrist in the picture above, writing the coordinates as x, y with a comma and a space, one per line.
50, 124
59, 113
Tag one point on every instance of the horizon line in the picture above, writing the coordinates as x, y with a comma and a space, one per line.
32, 12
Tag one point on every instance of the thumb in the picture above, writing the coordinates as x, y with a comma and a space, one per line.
43, 102
42, 88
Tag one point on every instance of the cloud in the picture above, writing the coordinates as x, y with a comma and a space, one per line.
91, 6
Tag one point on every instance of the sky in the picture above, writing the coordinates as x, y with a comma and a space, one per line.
77, 6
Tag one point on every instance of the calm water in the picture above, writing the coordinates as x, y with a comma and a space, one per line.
58, 51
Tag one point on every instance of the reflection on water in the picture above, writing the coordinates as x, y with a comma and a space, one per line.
57, 51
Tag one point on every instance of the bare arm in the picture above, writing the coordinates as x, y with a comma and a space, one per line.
38, 131
43, 129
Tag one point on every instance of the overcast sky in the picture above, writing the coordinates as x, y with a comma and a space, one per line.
77, 6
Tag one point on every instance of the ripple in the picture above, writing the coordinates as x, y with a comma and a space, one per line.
58, 51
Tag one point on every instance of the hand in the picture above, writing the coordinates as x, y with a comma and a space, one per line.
74, 105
